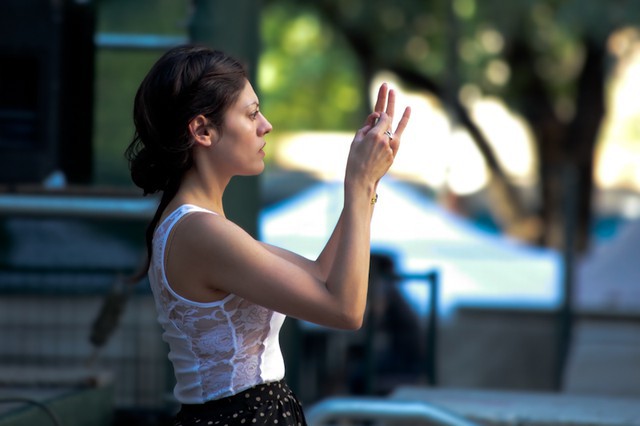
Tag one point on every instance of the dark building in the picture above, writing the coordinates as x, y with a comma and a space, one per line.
46, 90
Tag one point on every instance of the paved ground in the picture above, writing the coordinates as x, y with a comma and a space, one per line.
605, 359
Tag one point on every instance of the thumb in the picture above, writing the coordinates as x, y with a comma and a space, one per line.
370, 122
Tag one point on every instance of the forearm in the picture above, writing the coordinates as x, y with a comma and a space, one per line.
349, 248
326, 258
328, 254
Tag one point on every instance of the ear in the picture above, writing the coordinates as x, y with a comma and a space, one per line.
201, 131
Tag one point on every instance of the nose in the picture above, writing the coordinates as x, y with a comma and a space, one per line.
266, 126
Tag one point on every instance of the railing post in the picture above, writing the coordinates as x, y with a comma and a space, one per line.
432, 329
382, 272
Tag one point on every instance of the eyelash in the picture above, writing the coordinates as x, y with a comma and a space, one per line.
254, 115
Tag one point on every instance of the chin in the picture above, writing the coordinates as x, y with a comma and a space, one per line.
254, 171
260, 168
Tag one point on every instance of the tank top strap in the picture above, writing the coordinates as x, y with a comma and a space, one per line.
164, 228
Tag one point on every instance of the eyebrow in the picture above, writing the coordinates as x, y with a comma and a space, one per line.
256, 103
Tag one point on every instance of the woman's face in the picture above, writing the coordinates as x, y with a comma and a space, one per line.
241, 142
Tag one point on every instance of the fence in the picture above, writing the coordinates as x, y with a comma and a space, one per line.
61, 257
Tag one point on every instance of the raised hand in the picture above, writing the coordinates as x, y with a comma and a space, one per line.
376, 144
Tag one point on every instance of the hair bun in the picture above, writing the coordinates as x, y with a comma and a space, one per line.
147, 172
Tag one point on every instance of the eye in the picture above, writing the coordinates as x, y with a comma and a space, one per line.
254, 114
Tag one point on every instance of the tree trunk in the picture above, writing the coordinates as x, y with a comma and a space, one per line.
583, 133
563, 148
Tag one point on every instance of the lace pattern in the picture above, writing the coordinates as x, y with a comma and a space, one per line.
217, 348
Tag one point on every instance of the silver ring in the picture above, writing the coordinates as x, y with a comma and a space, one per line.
388, 133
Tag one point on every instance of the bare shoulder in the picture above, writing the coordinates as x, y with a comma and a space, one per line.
199, 224
212, 238
215, 234
200, 250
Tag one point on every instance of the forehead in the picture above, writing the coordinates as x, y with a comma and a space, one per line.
247, 96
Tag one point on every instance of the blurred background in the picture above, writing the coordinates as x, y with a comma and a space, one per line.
505, 238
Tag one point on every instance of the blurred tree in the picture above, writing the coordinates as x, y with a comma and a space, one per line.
308, 76
555, 57
547, 59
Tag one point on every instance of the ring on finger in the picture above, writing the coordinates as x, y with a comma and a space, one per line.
388, 133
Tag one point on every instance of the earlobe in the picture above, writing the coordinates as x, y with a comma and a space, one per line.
201, 131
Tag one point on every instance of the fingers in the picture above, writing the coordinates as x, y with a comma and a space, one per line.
391, 102
402, 124
382, 98
382, 122
386, 99
394, 139
375, 146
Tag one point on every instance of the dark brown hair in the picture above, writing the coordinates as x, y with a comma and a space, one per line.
185, 82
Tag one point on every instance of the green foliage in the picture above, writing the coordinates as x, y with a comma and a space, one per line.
408, 32
554, 31
307, 77
597, 19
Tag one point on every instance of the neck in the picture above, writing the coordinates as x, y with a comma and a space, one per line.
203, 191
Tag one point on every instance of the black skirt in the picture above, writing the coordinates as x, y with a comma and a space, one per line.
266, 404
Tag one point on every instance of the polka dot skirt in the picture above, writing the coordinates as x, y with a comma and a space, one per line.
265, 404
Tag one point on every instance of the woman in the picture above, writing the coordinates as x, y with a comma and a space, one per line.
221, 295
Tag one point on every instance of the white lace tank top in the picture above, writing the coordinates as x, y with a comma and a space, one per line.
217, 349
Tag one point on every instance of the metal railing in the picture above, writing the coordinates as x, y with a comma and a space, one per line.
381, 409
320, 359
75, 206
383, 267
138, 41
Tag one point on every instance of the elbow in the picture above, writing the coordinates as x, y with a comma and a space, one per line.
351, 315
351, 321
342, 320
354, 325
